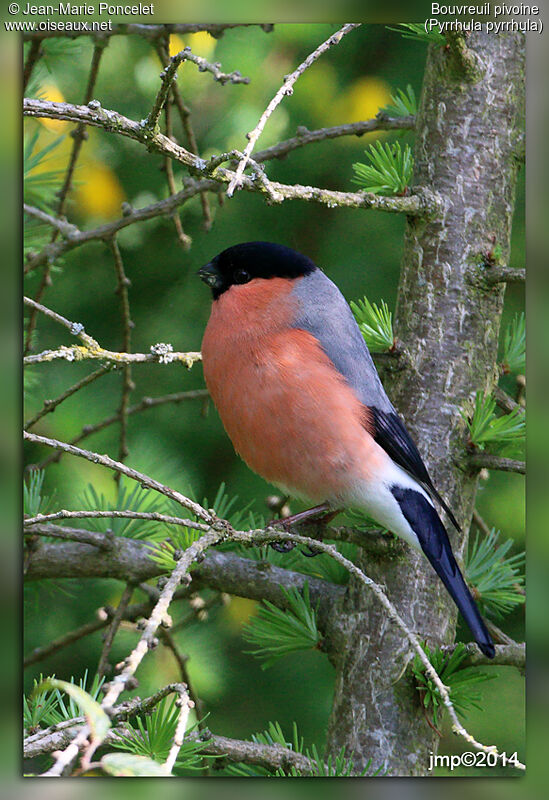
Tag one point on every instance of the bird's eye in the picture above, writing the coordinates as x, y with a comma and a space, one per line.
241, 276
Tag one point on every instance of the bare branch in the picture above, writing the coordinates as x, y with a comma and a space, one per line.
490, 461
160, 354
115, 624
69, 534
123, 283
50, 405
79, 134
67, 229
494, 275
185, 704
509, 655
110, 463
146, 402
118, 685
285, 89
104, 617
142, 515
505, 401
32, 57
304, 136
75, 328
270, 756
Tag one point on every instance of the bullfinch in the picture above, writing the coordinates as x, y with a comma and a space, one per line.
298, 393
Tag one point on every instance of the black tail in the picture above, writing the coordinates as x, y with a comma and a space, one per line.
424, 520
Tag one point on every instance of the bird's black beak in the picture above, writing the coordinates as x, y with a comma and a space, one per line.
211, 275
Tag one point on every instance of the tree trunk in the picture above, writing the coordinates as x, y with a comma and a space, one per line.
469, 141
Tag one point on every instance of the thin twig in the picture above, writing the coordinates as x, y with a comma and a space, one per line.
75, 328
79, 134
127, 384
50, 405
185, 117
104, 617
480, 523
115, 624
491, 461
304, 136
110, 463
284, 90
185, 704
35, 51
505, 401
118, 684
183, 238
146, 402
151, 516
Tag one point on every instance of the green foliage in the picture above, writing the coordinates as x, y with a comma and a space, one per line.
496, 579
152, 736
182, 537
39, 187
461, 682
275, 632
338, 767
39, 706
389, 171
137, 499
375, 323
485, 427
164, 553
65, 711
404, 103
514, 345
96, 717
34, 502
417, 32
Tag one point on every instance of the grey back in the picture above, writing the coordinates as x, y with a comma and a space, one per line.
325, 313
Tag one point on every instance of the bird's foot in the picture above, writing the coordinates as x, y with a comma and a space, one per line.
318, 515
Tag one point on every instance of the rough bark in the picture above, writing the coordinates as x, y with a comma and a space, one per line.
468, 140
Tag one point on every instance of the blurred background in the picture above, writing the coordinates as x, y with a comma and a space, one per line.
184, 445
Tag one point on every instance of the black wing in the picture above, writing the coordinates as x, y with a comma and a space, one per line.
390, 433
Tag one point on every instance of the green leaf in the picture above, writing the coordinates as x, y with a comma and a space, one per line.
375, 323
404, 103
137, 499
462, 683
485, 427
496, 579
276, 632
416, 31
33, 501
39, 187
70, 710
514, 346
40, 706
97, 719
389, 171
125, 765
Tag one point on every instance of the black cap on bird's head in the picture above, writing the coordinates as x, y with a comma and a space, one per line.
244, 262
